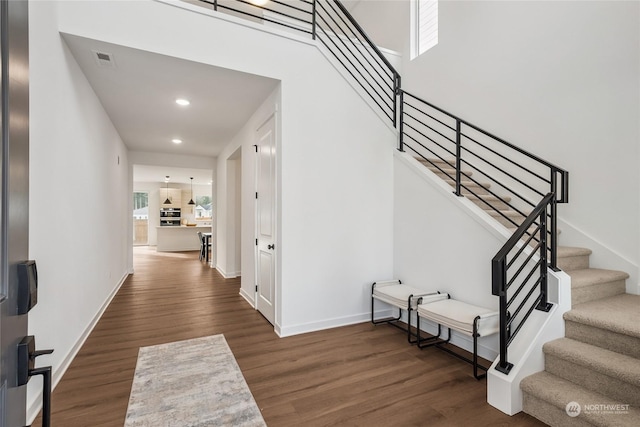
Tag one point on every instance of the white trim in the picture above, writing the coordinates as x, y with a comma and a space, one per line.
35, 406
247, 298
227, 275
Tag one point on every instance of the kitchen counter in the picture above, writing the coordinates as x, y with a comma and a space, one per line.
182, 238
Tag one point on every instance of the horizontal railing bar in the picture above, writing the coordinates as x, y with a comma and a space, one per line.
547, 181
523, 246
427, 137
500, 140
541, 194
513, 240
429, 127
435, 165
425, 147
220, 6
430, 116
256, 6
352, 75
536, 268
495, 181
534, 287
366, 37
355, 67
350, 27
290, 6
356, 56
524, 319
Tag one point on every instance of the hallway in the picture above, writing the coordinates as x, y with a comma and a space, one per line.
356, 375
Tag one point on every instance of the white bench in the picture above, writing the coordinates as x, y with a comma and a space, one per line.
465, 318
403, 297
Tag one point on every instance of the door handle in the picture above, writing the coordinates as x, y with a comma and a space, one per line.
271, 246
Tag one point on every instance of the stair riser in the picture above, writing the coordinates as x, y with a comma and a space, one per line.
574, 262
614, 388
550, 414
623, 344
599, 291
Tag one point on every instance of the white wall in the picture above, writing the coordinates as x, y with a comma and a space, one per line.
335, 163
79, 199
559, 79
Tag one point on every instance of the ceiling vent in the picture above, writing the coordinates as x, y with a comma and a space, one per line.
103, 59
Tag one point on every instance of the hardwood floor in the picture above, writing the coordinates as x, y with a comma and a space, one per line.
360, 375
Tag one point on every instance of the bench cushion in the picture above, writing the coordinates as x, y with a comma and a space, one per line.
398, 295
459, 315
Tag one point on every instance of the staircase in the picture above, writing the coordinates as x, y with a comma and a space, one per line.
598, 361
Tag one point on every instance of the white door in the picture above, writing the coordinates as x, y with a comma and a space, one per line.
265, 219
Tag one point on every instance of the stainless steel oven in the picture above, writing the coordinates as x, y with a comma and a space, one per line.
170, 217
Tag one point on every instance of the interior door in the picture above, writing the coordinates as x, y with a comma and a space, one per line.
14, 200
265, 219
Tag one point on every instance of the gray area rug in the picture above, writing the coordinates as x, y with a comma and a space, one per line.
191, 383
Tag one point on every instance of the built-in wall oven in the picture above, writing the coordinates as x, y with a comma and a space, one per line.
170, 217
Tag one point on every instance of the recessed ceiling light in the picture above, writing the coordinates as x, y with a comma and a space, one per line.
182, 101
176, 141
259, 2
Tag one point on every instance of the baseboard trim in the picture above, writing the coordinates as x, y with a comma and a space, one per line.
34, 407
230, 275
336, 322
249, 298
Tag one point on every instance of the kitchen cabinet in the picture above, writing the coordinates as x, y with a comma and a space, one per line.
175, 196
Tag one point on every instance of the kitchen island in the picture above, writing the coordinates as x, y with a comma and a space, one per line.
180, 238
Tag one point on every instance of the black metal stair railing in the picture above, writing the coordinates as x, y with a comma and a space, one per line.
358, 55
331, 23
519, 277
504, 180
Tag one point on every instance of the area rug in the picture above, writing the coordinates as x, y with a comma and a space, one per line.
190, 383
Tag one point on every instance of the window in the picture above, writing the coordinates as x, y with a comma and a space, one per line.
140, 218
204, 208
424, 28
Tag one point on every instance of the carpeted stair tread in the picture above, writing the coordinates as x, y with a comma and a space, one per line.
619, 314
568, 251
595, 276
552, 394
594, 368
572, 258
591, 284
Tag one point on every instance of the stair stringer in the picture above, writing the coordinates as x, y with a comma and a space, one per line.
525, 352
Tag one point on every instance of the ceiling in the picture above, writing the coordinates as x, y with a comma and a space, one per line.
139, 94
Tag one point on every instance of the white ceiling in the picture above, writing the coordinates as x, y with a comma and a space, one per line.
146, 173
139, 97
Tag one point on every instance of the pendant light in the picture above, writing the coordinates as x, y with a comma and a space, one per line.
167, 202
191, 202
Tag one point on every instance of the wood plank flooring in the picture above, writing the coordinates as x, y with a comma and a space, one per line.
360, 375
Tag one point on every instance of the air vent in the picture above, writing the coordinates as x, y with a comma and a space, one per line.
104, 59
